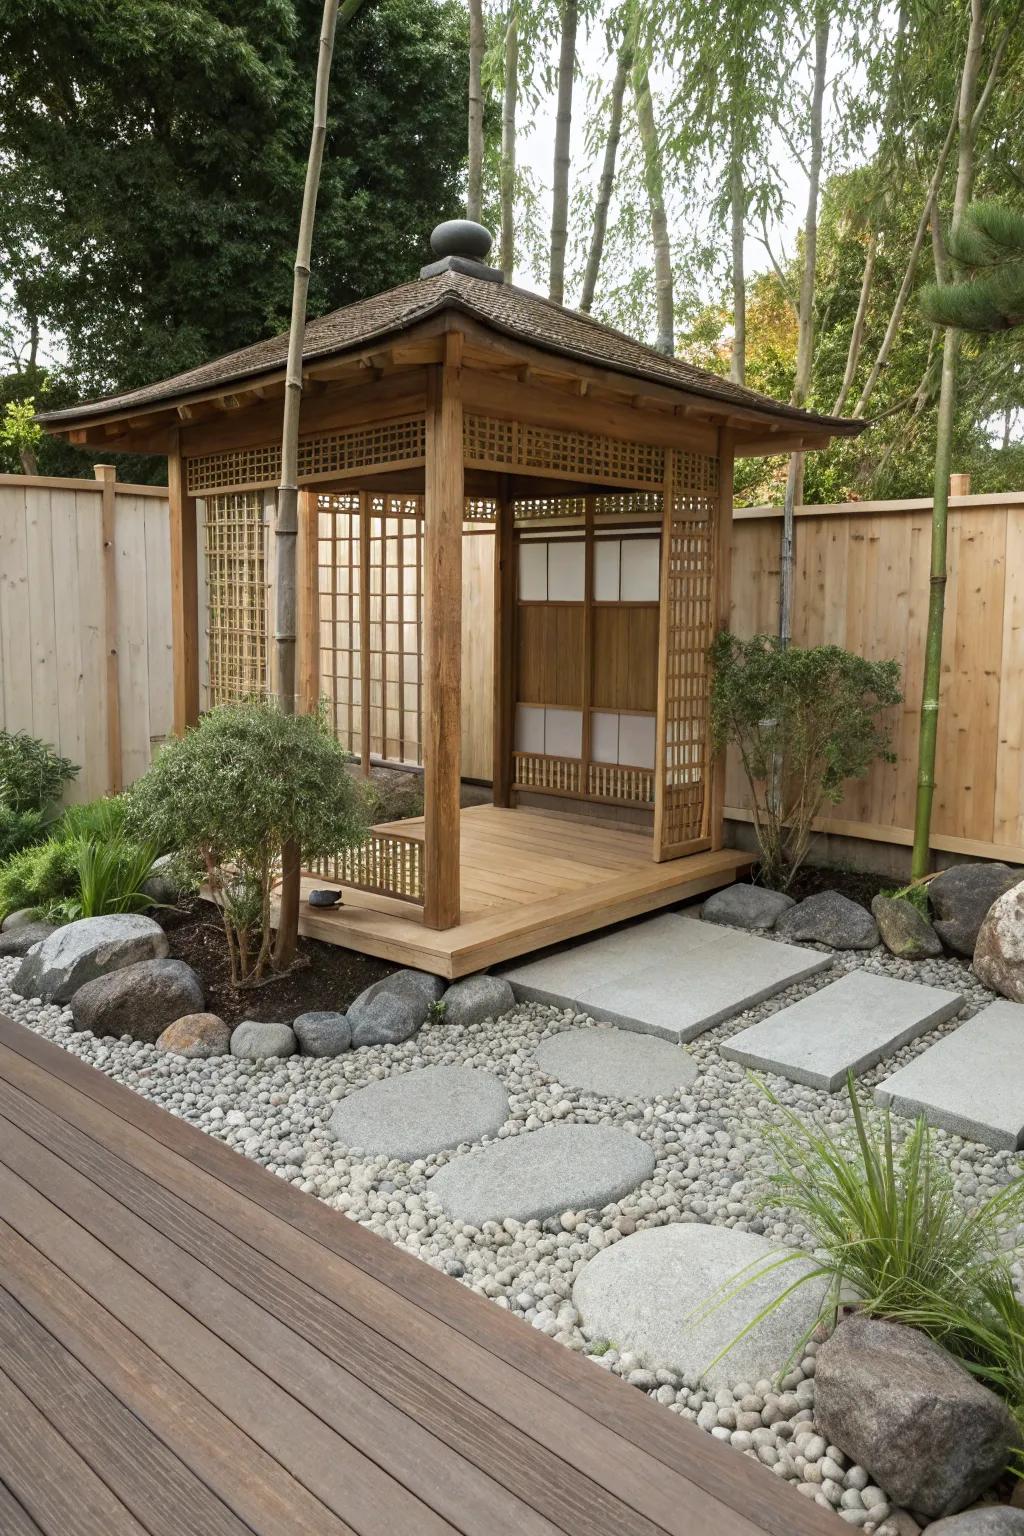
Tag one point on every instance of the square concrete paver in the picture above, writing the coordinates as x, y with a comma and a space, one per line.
971, 1082
671, 975
848, 1026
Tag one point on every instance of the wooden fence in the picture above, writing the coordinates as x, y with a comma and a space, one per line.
862, 582
85, 622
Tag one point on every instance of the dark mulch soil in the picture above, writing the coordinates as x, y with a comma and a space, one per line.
858, 885
325, 977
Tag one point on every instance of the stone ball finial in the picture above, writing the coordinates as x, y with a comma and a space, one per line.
461, 237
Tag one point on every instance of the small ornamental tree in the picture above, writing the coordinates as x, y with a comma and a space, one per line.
230, 794
804, 721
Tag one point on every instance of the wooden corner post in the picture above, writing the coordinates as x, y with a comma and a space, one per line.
442, 640
504, 646
184, 590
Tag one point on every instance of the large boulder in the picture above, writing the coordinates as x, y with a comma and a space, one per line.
927, 1432
138, 1000
393, 1009
905, 930
94, 946
19, 918
323, 1034
746, 906
477, 998
999, 953
961, 897
829, 918
258, 1040
984, 1520
20, 939
196, 1035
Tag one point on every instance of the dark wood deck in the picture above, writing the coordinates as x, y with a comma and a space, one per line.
191, 1347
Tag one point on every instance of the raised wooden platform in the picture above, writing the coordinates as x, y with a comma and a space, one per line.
191, 1347
529, 878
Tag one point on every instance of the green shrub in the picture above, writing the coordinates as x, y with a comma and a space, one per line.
230, 793
32, 775
40, 876
85, 867
18, 829
804, 721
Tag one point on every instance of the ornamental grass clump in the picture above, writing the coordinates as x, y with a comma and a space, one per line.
804, 721
230, 795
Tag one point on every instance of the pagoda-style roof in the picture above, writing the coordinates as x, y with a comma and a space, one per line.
499, 307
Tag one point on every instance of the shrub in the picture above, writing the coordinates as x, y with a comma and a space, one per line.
32, 775
804, 721
230, 793
86, 867
18, 829
40, 876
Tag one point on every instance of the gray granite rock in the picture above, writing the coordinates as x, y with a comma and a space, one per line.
163, 885
829, 918
477, 998
746, 906
393, 1009
985, 1520
616, 1063
419, 1113
905, 930
196, 1036
19, 940
665, 1295
999, 952
79, 952
138, 1000
960, 898
19, 918
257, 1040
322, 1033
542, 1173
928, 1433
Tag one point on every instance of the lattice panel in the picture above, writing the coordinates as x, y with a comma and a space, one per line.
235, 546
562, 775
695, 473
582, 455
339, 586
610, 781
386, 862
549, 508
689, 592
479, 509
631, 504
326, 453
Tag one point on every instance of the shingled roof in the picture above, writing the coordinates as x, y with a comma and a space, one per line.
510, 310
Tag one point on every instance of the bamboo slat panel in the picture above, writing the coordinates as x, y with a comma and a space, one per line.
862, 582
385, 862
54, 617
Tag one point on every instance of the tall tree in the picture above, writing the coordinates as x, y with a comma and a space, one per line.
477, 43
507, 174
286, 525
602, 202
563, 140
654, 181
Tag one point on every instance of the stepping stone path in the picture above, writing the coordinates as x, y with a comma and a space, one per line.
971, 1082
616, 1064
659, 1294
671, 976
419, 1113
847, 1026
543, 1173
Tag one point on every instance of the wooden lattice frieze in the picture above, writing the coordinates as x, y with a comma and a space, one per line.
549, 508
695, 473
387, 863
576, 455
343, 452
533, 770
480, 509
612, 781
235, 547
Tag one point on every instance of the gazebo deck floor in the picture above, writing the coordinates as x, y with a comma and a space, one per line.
528, 879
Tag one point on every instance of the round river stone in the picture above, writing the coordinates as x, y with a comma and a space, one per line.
421, 1112
661, 1294
542, 1173
616, 1063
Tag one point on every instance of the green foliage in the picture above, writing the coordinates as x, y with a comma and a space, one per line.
19, 437
988, 242
32, 775
19, 829
40, 876
89, 865
109, 875
231, 792
804, 721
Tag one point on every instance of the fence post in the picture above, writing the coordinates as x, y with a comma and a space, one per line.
959, 485
106, 474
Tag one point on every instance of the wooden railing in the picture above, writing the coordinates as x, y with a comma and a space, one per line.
558, 775
386, 863
612, 781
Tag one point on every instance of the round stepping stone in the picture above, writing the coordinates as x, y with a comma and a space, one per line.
660, 1295
419, 1113
616, 1063
542, 1173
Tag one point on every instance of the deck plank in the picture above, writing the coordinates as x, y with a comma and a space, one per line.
576, 1406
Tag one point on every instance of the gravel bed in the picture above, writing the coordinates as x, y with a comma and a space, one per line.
711, 1166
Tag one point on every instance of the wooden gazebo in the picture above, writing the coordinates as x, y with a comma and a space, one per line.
603, 472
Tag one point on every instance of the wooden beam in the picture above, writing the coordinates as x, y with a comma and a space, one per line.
364, 633
664, 606
309, 602
184, 590
106, 474
723, 593
442, 645
504, 645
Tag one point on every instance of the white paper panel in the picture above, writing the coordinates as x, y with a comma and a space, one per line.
529, 729
604, 737
606, 570
563, 732
565, 572
533, 573
636, 740
639, 571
